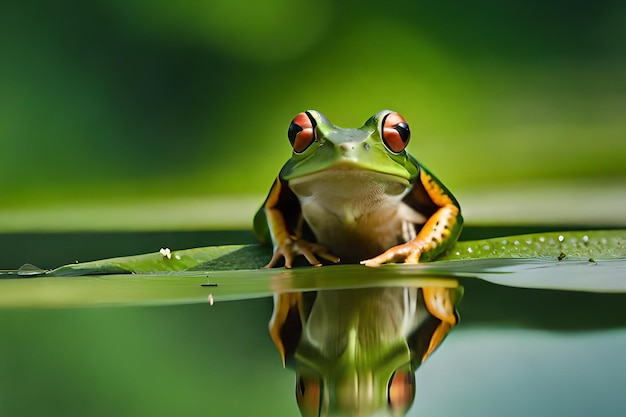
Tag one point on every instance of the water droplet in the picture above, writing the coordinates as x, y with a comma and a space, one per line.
30, 269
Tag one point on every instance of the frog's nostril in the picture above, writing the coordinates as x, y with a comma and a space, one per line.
347, 146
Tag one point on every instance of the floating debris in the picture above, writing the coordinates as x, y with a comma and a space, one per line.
561, 256
166, 252
210, 299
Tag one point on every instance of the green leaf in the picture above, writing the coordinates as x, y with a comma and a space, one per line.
590, 261
603, 244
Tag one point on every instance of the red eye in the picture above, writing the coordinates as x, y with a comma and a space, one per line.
395, 132
301, 132
401, 391
309, 395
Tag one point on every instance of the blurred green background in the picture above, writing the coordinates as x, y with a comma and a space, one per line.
134, 115
107, 102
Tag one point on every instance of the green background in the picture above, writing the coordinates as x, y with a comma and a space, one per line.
107, 101
122, 114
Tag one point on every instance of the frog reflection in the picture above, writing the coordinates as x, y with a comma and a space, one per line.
355, 350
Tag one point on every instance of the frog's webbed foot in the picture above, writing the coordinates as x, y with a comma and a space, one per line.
293, 246
408, 253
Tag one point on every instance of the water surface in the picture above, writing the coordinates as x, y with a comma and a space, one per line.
516, 351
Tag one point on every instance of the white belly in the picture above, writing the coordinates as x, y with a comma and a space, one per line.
356, 214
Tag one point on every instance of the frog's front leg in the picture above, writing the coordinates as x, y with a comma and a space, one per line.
439, 232
441, 303
288, 245
287, 307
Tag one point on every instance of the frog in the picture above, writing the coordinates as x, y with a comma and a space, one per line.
355, 195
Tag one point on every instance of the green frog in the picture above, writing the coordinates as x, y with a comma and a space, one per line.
356, 195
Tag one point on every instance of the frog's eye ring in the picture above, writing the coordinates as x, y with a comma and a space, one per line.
309, 395
401, 391
301, 132
395, 132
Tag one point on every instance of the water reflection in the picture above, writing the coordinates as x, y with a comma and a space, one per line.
355, 351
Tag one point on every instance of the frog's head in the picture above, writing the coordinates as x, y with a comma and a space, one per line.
378, 146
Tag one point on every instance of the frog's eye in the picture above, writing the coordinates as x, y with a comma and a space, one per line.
395, 132
301, 132
401, 391
309, 395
